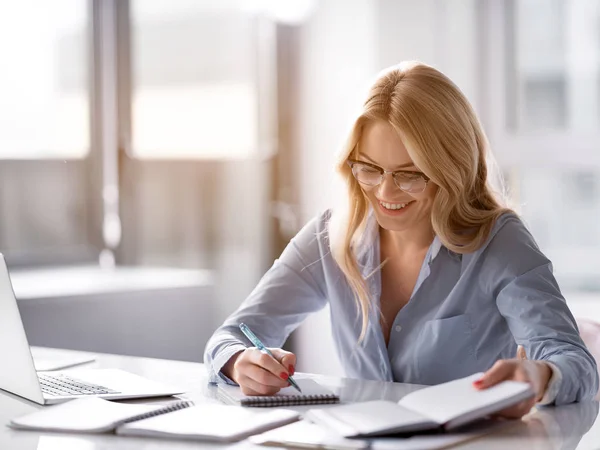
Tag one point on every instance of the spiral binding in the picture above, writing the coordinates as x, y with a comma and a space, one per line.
167, 409
290, 400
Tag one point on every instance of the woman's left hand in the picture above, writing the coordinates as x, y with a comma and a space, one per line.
536, 373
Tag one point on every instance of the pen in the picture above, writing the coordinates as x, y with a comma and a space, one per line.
259, 345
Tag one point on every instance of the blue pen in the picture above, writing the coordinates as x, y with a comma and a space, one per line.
259, 345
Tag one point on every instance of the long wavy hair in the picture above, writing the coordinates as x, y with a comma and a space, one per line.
445, 140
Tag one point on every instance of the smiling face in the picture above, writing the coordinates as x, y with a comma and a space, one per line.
395, 210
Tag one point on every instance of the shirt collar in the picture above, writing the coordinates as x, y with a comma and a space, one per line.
434, 249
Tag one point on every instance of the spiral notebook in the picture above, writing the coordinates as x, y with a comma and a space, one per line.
92, 415
179, 420
312, 394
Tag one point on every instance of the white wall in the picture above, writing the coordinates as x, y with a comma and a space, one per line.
344, 45
337, 60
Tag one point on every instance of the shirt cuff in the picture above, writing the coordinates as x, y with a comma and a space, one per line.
223, 357
226, 379
553, 385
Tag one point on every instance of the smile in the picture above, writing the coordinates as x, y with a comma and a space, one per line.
394, 206
394, 209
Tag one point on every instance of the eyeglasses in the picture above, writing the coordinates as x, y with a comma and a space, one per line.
372, 175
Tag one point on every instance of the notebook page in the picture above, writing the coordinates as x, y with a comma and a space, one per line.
458, 398
310, 389
212, 422
91, 414
304, 434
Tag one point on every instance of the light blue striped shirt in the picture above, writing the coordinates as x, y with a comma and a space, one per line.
465, 312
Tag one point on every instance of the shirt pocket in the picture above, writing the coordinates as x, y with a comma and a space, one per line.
445, 351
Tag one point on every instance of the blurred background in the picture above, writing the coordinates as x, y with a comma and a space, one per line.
157, 155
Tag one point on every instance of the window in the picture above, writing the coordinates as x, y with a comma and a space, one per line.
46, 200
543, 113
44, 83
194, 90
133, 133
197, 164
539, 63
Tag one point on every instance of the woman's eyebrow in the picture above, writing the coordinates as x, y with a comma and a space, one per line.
401, 166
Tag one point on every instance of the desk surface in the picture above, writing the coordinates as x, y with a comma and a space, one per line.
567, 427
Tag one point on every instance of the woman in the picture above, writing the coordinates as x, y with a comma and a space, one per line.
428, 277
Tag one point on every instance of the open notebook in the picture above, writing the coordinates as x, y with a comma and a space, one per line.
312, 393
180, 420
304, 434
447, 406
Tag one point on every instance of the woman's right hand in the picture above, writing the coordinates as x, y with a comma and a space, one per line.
258, 373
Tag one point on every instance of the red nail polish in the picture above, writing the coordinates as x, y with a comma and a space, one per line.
477, 383
284, 375
291, 369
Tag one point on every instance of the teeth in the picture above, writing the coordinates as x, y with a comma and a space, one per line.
393, 206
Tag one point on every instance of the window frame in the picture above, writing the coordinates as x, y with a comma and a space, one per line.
90, 165
110, 169
548, 148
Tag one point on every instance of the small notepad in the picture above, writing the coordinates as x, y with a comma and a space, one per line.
312, 393
92, 415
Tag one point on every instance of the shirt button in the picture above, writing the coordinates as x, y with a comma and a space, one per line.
398, 328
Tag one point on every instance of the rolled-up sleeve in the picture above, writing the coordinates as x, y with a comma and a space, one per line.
540, 321
293, 288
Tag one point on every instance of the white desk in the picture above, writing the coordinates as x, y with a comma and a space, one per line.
566, 427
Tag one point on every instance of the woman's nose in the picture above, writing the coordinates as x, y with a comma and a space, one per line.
387, 187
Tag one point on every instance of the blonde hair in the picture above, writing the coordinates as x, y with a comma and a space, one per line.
445, 140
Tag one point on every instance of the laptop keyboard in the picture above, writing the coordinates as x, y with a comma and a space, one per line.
61, 384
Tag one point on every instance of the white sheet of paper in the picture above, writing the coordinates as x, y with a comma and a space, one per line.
308, 435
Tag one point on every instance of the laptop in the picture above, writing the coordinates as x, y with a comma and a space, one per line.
19, 376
